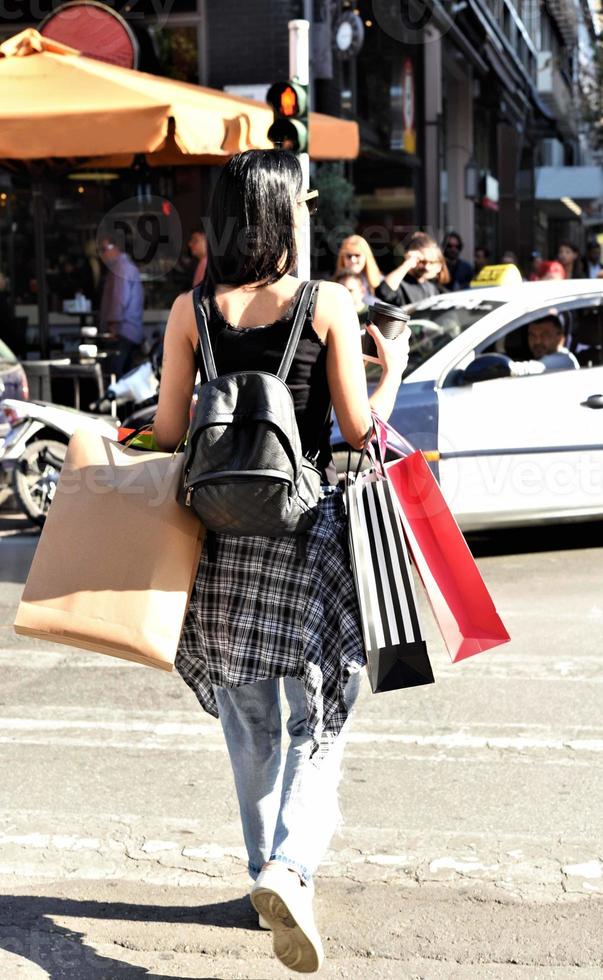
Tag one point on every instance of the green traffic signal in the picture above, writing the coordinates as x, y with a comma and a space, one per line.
289, 102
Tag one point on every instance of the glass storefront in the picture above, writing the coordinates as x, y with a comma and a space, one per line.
151, 210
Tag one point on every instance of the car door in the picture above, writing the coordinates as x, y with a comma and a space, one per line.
521, 449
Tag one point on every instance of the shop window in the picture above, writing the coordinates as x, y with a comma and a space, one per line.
177, 49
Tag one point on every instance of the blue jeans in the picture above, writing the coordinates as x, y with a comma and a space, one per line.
289, 806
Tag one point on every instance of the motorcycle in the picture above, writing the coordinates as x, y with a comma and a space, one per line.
33, 448
34, 436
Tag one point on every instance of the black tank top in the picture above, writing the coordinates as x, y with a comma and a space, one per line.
261, 349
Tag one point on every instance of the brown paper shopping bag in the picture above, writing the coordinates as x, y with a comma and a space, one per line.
118, 555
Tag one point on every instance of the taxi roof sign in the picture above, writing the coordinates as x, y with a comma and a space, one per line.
506, 274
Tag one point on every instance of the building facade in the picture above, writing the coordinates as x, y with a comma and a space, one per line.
474, 115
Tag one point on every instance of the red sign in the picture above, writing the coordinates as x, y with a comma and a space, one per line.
94, 30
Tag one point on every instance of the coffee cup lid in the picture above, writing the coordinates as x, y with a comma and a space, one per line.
388, 309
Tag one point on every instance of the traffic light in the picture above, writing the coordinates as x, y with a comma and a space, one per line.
289, 101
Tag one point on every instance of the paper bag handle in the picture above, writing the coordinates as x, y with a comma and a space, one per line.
388, 438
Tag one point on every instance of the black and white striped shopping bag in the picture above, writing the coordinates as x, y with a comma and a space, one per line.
395, 649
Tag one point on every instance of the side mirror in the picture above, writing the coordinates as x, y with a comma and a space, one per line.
485, 367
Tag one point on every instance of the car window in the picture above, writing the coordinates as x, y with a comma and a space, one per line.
434, 325
586, 337
6, 354
583, 327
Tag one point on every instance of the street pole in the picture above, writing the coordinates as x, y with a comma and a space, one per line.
299, 68
37, 194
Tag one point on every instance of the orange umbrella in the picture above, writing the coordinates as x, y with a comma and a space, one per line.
58, 104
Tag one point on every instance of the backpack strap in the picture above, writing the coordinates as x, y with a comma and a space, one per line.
207, 355
307, 296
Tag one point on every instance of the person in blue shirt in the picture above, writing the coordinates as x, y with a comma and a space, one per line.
122, 304
461, 272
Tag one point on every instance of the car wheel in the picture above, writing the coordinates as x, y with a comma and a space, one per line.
36, 477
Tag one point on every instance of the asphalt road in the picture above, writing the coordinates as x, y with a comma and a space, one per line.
472, 843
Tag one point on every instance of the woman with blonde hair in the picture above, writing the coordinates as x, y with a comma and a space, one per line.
356, 258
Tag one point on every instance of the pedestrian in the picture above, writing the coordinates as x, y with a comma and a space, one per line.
535, 263
461, 272
592, 259
421, 274
509, 258
356, 256
90, 272
550, 270
354, 286
481, 258
197, 244
569, 257
263, 610
122, 304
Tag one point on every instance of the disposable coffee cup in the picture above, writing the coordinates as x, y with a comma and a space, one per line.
390, 321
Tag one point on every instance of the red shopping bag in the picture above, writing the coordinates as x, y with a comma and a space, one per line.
461, 603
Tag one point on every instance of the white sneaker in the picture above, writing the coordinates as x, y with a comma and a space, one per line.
286, 905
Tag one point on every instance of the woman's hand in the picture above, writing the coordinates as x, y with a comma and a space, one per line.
414, 260
392, 355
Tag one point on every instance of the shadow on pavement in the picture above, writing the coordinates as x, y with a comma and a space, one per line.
18, 542
530, 540
27, 930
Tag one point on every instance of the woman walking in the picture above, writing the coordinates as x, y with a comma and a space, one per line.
263, 611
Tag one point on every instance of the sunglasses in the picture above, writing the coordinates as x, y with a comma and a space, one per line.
310, 199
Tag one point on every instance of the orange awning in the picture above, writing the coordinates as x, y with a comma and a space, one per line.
332, 138
58, 103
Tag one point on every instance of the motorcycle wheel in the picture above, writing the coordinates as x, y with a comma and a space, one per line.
36, 477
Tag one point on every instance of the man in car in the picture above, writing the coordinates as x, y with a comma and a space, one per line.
546, 340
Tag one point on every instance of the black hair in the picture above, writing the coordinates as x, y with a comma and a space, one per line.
553, 318
250, 232
481, 248
568, 244
454, 234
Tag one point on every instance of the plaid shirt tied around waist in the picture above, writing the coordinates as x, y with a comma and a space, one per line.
259, 609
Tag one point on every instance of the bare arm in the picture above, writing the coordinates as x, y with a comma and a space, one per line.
177, 375
395, 277
345, 365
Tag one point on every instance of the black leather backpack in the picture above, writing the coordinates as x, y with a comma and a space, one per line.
244, 471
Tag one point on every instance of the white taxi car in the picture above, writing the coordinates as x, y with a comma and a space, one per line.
507, 450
